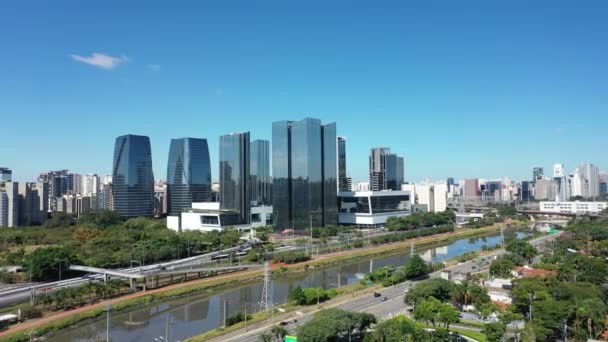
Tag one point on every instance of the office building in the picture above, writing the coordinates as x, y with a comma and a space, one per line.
603, 183
6, 174
57, 186
260, 172
132, 177
90, 185
573, 207
304, 164
344, 182
74, 183
491, 191
3, 208
471, 190
188, 175
235, 188
161, 206
544, 189
371, 209
432, 196
386, 169
208, 216
362, 186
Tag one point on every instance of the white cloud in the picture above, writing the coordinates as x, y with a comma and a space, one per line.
101, 60
154, 67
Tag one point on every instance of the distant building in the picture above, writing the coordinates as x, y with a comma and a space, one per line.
537, 173
591, 178
90, 185
6, 174
235, 187
73, 184
304, 164
471, 190
57, 186
433, 196
9, 204
362, 186
573, 207
160, 199
372, 208
491, 191
603, 183
386, 170
544, 189
261, 181
132, 177
33, 203
527, 191
188, 176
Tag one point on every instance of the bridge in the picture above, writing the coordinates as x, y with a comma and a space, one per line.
156, 272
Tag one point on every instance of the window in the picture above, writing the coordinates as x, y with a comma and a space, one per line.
210, 220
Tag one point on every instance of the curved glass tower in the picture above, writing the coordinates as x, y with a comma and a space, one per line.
188, 174
133, 180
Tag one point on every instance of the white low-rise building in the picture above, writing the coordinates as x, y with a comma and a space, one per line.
207, 216
372, 208
573, 207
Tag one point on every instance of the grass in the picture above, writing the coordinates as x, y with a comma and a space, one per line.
212, 285
477, 335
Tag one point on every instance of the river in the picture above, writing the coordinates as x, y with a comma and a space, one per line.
197, 313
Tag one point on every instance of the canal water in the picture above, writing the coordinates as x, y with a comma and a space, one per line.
197, 313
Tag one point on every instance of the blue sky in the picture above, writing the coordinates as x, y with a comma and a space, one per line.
460, 88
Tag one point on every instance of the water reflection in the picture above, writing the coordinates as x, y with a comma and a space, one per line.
197, 313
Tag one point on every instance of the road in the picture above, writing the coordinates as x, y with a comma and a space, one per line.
365, 302
14, 295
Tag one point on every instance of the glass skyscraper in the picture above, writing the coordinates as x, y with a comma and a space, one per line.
304, 164
260, 172
343, 181
235, 188
188, 174
133, 180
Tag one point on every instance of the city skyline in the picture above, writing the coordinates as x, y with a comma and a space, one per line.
454, 93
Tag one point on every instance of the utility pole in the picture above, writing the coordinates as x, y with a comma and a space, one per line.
225, 309
310, 223
502, 235
265, 300
108, 321
411, 248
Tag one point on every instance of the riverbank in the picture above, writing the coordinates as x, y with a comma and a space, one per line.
60, 320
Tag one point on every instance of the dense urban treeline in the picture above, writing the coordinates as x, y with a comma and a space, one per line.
101, 239
420, 220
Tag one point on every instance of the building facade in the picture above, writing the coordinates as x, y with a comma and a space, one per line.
261, 181
304, 164
90, 185
573, 207
371, 209
188, 175
132, 177
235, 187
471, 190
344, 182
6, 174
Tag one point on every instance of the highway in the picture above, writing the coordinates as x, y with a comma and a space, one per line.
14, 295
366, 302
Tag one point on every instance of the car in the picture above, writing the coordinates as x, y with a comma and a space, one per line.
284, 323
384, 299
376, 295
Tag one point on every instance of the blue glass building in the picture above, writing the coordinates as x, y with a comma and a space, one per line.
235, 188
188, 174
133, 180
304, 164
260, 172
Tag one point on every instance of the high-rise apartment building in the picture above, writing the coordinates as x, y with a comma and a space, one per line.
9, 204
132, 177
90, 185
386, 169
33, 203
74, 183
235, 187
591, 176
188, 174
304, 164
261, 181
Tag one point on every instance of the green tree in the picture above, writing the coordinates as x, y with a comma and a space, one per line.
266, 337
328, 325
428, 310
436, 287
47, 263
494, 331
522, 248
502, 267
448, 315
279, 332
415, 267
